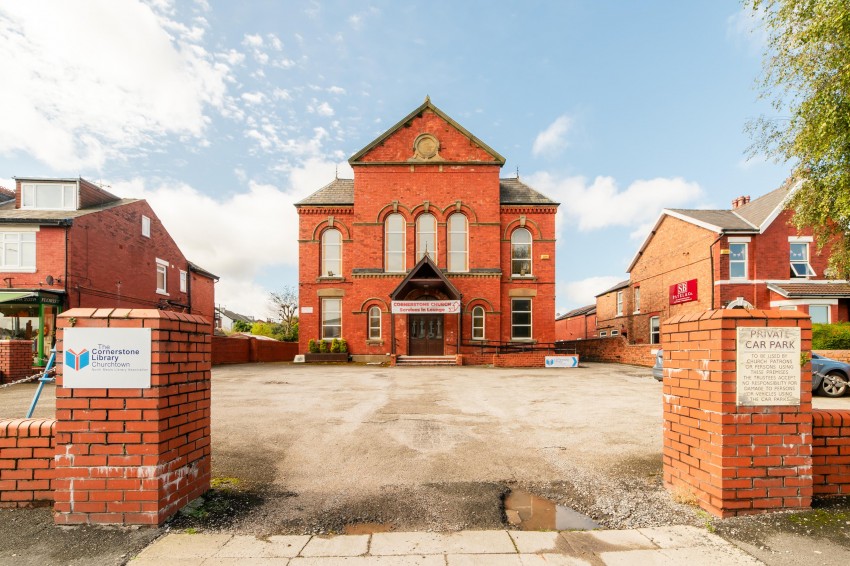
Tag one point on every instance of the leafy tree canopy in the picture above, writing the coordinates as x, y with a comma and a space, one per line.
806, 76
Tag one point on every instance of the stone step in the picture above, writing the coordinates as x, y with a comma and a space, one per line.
426, 361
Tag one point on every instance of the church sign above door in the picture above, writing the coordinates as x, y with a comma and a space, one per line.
426, 307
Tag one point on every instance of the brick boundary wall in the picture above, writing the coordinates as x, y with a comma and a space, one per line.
136, 456
733, 460
15, 360
838, 355
831, 452
515, 360
227, 350
27, 460
612, 350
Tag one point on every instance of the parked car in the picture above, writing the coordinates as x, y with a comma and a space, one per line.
829, 377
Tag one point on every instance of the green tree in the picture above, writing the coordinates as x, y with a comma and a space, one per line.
806, 76
241, 326
284, 308
271, 329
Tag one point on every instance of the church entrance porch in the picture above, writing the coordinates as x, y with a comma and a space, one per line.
425, 335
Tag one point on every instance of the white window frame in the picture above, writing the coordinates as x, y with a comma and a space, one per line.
20, 236
146, 226
744, 262
388, 252
603, 334
479, 316
328, 307
30, 200
530, 324
162, 269
655, 330
828, 312
184, 281
420, 232
374, 330
805, 263
331, 266
517, 262
619, 303
615, 333
457, 259
637, 300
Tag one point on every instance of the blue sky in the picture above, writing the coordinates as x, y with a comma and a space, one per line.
222, 114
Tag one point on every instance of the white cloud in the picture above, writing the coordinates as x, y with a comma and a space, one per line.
255, 40
254, 97
602, 203
553, 139
574, 294
87, 103
355, 21
7, 183
323, 109
336, 90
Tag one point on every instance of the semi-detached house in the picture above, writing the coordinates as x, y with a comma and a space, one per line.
67, 243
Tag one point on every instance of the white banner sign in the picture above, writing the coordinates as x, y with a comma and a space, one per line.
96, 358
562, 361
426, 307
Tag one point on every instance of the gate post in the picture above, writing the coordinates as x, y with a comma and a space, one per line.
737, 454
136, 456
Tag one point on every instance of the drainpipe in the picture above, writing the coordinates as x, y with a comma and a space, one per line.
711, 259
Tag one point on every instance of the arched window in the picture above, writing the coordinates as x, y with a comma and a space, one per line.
458, 243
478, 323
521, 253
426, 237
331, 253
394, 243
374, 323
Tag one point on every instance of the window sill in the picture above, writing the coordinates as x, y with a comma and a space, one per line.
333, 278
161, 292
17, 270
515, 276
524, 340
374, 342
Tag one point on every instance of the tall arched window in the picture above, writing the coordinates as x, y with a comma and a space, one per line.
331, 253
521, 253
426, 236
374, 323
458, 243
395, 243
478, 323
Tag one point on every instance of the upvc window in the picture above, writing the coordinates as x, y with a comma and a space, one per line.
184, 281
800, 266
18, 251
521, 319
161, 276
619, 303
603, 334
521, 253
615, 333
655, 330
426, 236
146, 226
49, 196
478, 323
331, 253
738, 260
331, 319
458, 240
637, 300
819, 314
374, 323
395, 243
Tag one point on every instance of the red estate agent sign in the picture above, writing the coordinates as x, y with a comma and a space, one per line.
683, 292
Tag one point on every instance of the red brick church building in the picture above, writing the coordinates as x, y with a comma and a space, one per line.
427, 251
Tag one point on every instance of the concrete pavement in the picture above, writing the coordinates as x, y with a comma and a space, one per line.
659, 546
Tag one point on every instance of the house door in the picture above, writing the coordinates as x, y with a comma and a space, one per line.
425, 336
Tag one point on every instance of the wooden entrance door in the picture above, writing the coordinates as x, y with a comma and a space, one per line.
425, 335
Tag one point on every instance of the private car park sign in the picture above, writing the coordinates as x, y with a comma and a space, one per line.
107, 358
768, 366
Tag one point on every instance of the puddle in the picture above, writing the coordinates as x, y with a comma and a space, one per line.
529, 512
367, 528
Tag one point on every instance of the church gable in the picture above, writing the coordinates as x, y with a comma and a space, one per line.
427, 135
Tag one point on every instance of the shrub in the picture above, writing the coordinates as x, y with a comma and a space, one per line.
312, 346
335, 346
343, 346
831, 336
323, 347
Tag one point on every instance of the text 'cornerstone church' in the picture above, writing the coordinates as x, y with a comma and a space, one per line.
427, 252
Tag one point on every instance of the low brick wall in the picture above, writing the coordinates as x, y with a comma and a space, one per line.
515, 360
838, 355
245, 350
27, 461
614, 350
15, 360
831, 452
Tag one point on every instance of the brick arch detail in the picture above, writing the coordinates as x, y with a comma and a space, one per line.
433, 210
325, 224
373, 302
530, 225
388, 209
464, 209
479, 301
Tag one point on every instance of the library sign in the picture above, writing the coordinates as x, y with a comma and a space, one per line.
96, 358
768, 366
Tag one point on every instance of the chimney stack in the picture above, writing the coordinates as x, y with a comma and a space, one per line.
740, 201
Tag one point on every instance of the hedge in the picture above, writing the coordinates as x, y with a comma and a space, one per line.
831, 336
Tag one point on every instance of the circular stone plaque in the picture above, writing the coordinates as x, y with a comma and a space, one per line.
426, 146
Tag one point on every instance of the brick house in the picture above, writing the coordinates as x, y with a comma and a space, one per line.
577, 324
68, 243
426, 251
749, 256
